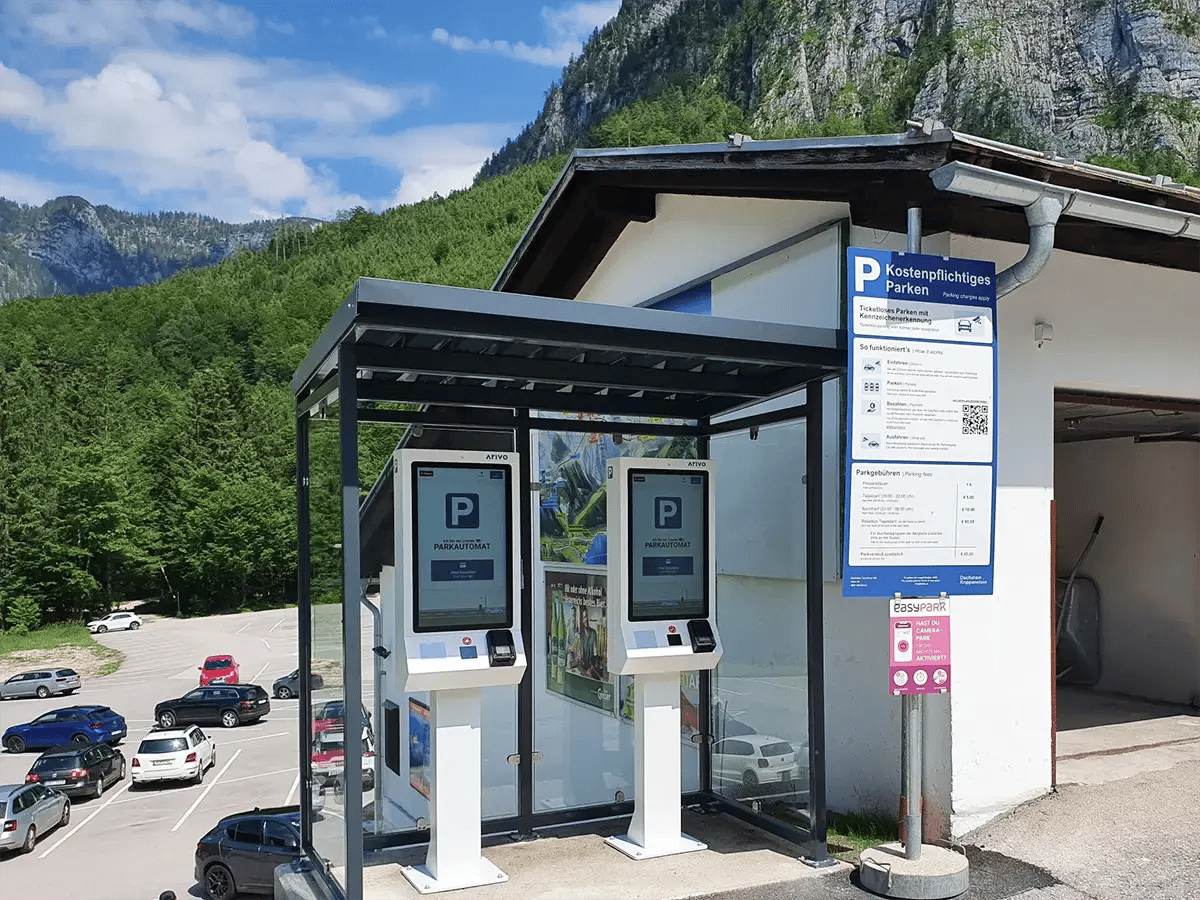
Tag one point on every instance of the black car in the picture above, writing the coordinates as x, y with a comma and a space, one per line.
78, 770
240, 854
228, 705
288, 686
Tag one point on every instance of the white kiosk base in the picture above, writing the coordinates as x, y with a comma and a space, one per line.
655, 829
454, 860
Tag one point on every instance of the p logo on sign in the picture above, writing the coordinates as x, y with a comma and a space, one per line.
865, 269
462, 510
668, 512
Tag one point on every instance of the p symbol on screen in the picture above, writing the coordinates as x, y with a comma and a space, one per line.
865, 269
668, 512
462, 510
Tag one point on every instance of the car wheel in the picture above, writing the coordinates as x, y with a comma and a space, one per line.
134, 626
199, 776
102, 629
81, 739
218, 883
749, 778
30, 840
98, 791
15, 744
121, 773
284, 693
166, 719
66, 816
43, 692
229, 719
70, 692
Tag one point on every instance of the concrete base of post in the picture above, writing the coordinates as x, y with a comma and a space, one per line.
937, 875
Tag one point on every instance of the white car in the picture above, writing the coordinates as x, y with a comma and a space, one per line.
754, 759
118, 621
173, 754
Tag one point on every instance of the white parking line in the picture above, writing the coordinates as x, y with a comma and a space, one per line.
292, 792
277, 624
259, 775
257, 737
244, 627
260, 671
93, 815
212, 784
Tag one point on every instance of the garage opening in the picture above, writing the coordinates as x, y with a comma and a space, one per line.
1127, 595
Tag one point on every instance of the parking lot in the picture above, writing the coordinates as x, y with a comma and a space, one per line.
135, 843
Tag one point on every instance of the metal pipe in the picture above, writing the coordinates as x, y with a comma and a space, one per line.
377, 706
912, 710
1042, 216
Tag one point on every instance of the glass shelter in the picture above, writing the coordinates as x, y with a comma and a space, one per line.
565, 386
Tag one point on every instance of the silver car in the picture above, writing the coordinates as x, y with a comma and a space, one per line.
41, 683
27, 811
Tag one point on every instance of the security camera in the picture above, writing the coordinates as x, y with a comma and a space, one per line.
1043, 333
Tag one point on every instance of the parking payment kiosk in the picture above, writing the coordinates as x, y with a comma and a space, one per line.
661, 616
458, 570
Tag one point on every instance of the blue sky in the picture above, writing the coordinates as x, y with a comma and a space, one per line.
269, 108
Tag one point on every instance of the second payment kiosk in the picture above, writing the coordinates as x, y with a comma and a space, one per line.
662, 619
458, 570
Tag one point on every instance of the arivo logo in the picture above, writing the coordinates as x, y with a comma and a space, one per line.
462, 510
668, 512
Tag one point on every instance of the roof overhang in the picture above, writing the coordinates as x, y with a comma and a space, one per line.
599, 192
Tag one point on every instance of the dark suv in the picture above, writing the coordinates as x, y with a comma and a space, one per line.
241, 853
228, 705
78, 770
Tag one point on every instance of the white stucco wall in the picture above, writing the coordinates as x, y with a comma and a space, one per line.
1144, 560
1117, 327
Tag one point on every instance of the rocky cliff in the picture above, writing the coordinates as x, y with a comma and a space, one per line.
69, 246
1086, 78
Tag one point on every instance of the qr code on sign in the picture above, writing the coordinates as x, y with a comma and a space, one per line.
975, 418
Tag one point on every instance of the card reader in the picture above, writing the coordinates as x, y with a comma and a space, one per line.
501, 649
701, 634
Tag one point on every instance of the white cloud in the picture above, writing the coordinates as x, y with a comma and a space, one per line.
100, 23
566, 29
21, 188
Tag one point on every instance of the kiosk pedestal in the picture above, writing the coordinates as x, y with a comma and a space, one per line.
454, 860
654, 830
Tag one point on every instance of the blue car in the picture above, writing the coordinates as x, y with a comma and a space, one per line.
69, 725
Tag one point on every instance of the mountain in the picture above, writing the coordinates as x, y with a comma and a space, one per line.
69, 246
1114, 81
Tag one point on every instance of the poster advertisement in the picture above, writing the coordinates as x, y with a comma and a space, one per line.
577, 638
420, 762
574, 502
920, 654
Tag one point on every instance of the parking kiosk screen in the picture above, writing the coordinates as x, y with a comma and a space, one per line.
463, 544
668, 553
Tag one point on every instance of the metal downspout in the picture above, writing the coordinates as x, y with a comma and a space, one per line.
1042, 216
377, 724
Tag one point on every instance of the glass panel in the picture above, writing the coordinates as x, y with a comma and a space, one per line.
583, 713
401, 719
325, 555
760, 687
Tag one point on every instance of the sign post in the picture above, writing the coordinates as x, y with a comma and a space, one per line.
920, 497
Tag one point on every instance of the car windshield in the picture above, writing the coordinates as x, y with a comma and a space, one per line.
331, 710
216, 664
103, 713
777, 749
54, 763
162, 745
66, 673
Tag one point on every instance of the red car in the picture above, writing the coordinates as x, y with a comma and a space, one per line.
219, 670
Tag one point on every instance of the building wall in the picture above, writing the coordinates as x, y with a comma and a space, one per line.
1144, 560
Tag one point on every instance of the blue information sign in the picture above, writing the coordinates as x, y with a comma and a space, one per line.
921, 445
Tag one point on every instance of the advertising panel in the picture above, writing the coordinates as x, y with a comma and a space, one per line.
461, 530
921, 443
920, 646
420, 760
668, 541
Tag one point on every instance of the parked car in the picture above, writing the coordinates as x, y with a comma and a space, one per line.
78, 770
28, 811
226, 705
329, 760
117, 621
331, 716
219, 670
288, 686
240, 854
754, 759
41, 683
69, 725
174, 754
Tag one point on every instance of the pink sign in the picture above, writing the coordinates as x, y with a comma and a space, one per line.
920, 642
